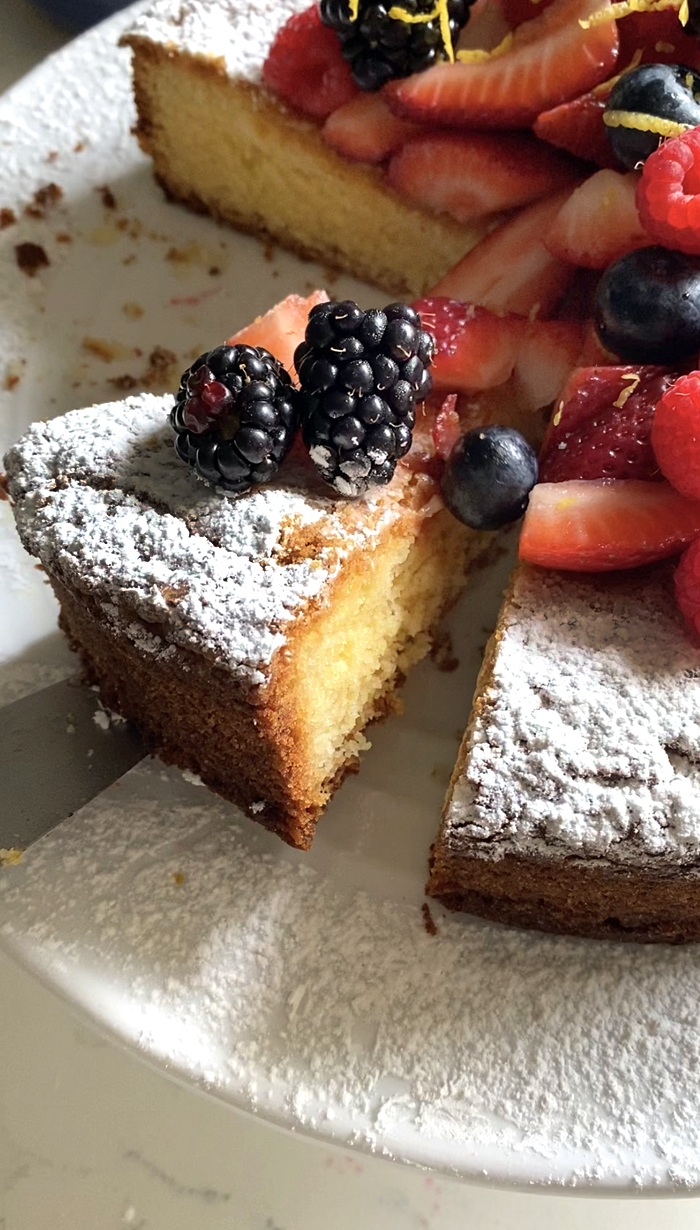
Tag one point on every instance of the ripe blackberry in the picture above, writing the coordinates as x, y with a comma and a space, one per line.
379, 47
235, 416
361, 374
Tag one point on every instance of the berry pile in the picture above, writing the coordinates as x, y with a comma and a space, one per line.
361, 374
379, 47
235, 416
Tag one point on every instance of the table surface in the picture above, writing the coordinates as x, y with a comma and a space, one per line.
93, 1139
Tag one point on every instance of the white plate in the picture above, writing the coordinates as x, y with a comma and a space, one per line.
302, 987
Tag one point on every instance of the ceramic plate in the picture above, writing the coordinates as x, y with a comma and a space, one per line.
306, 988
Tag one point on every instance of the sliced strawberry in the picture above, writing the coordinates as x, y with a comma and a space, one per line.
518, 11
446, 427
366, 130
305, 66
511, 269
599, 222
552, 59
282, 328
599, 526
470, 174
487, 26
548, 354
656, 37
602, 425
577, 126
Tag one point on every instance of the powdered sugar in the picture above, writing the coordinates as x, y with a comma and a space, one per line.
237, 34
588, 743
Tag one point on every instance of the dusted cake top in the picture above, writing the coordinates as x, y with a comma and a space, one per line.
239, 33
106, 505
587, 739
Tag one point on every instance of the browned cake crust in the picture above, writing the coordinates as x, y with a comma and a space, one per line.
638, 885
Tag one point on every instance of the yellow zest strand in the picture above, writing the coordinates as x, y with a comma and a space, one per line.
624, 7
625, 394
354, 9
475, 56
684, 13
412, 19
644, 123
606, 86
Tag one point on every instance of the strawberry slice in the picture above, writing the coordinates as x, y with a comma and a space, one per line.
602, 425
577, 127
656, 37
366, 130
603, 525
282, 328
518, 11
446, 427
599, 222
551, 59
470, 174
511, 270
305, 66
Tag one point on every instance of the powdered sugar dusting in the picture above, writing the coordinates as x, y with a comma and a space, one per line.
588, 742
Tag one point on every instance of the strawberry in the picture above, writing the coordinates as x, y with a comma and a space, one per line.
470, 174
446, 427
656, 37
518, 11
305, 66
602, 425
577, 126
366, 130
599, 222
551, 59
599, 526
511, 269
282, 328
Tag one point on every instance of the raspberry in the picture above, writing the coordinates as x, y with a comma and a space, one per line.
668, 193
688, 585
305, 66
675, 435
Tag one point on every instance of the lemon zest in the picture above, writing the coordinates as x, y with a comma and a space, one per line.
684, 13
440, 11
623, 8
641, 122
476, 56
626, 393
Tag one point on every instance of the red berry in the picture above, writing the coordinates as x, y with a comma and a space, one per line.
688, 585
305, 66
675, 435
668, 194
602, 425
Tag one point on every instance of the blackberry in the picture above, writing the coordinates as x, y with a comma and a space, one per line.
379, 47
361, 374
235, 416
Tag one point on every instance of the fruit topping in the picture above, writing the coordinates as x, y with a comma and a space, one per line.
511, 270
656, 36
647, 105
584, 526
282, 328
602, 425
488, 477
675, 435
549, 60
361, 374
599, 222
235, 416
381, 41
648, 306
366, 130
305, 66
687, 584
668, 196
577, 126
467, 175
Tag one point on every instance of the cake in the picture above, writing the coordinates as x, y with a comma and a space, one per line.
223, 143
575, 801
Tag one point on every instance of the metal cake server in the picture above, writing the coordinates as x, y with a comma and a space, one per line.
55, 756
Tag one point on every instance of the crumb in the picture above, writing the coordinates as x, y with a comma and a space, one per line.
178, 877
79, 147
269, 251
133, 310
8, 217
31, 257
44, 198
162, 368
124, 383
52, 156
275, 273
173, 593
3, 487
256, 808
13, 374
330, 275
101, 719
10, 858
106, 351
428, 920
108, 198
129, 260
442, 653
40, 568
63, 237
214, 272
179, 256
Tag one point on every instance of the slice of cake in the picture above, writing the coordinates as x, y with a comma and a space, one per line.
251, 640
575, 801
223, 143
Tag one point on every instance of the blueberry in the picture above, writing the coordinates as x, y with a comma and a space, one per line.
488, 477
648, 306
664, 92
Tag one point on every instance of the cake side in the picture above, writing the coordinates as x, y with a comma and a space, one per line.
221, 142
575, 802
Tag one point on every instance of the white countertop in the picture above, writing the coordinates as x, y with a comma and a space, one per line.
92, 1139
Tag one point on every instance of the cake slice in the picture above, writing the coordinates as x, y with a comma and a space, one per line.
251, 640
575, 802
223, 143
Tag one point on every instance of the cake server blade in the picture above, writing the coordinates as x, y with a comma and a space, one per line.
57, 751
